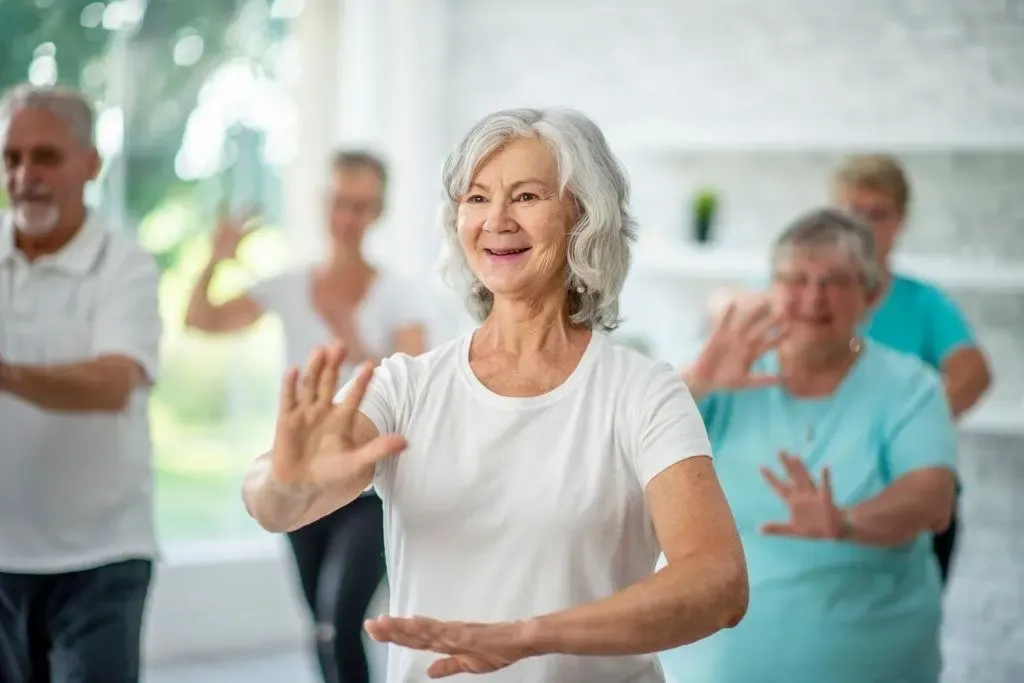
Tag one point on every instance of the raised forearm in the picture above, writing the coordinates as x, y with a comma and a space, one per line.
905, 509
94, 386
200, 313
281, 508
684, 602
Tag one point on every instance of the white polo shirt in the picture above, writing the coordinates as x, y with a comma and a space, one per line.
76, 489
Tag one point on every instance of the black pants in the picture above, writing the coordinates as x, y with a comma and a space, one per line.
945, 548
340, 560
78, 627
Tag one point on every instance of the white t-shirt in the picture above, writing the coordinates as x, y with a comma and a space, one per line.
391, 302
506, 508
76, 489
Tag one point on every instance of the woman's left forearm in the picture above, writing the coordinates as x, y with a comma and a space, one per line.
919, 502
683, 603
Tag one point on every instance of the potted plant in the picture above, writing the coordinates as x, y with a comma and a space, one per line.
705, 208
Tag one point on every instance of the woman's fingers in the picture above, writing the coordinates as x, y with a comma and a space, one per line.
781, 488
311, 377
797, 472
347, 409
289, 391
327, 382
758, 381
770, 339
826, 485
381, 448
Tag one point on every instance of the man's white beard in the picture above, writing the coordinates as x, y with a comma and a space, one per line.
35, 218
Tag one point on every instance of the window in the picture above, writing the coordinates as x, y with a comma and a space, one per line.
192, 113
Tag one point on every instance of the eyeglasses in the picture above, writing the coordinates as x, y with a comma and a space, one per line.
832, 281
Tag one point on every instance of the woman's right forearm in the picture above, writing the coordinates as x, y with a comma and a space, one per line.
282, 508
200, 311
276, 507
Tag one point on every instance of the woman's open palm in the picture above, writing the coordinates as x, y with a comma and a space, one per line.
813, 512
739, 338
315, 442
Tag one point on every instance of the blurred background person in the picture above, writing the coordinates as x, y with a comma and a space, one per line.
79, 343
908, 314
339, 558
844, 584
912, 315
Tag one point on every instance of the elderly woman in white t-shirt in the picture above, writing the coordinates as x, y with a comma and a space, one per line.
532, 471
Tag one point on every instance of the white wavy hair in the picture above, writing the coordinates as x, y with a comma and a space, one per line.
598, 250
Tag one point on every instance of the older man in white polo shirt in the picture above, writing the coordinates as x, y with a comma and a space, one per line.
79, 336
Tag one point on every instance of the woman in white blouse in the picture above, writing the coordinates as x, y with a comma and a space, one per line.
532, 471
339, 558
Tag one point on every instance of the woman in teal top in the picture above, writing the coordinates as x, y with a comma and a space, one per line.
837, 456
912, 316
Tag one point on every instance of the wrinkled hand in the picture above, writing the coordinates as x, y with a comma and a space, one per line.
812, 510
468, 647
231, 230
741, 336
314, 441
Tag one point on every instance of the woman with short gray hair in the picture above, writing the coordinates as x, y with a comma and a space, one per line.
843, 583
532, 471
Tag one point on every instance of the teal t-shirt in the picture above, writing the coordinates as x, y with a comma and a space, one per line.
825, 611
918, 318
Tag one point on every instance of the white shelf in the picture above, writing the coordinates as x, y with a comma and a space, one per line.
700, 139
666, 259
994, 421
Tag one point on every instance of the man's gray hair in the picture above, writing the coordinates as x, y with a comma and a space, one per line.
833, 228
67, 104
599, 244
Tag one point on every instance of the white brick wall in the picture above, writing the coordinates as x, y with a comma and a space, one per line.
942, 80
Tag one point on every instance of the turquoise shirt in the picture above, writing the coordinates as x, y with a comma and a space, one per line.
918, 318
826, 611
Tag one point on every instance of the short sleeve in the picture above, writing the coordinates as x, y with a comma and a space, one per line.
383, 405
920, 432
670, 426
128, 318
950, 329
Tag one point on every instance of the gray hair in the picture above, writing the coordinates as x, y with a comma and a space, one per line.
833, 228
67, 104
599, 244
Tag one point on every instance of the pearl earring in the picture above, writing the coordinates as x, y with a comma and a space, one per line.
581, 289
855, 345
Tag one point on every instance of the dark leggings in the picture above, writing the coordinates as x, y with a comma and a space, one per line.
945, 548
340, 560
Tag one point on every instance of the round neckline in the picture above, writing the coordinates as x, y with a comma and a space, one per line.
819, 403
485, 394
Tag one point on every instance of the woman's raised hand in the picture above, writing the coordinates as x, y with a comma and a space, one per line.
316, 442
813, 512
742, 334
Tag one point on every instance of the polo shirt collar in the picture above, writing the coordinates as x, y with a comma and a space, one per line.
78, 256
